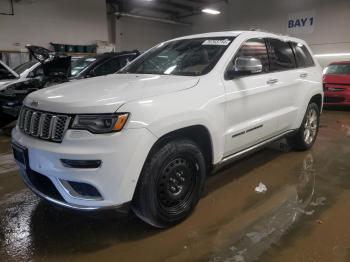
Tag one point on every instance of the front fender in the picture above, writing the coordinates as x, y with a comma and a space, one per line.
167, 113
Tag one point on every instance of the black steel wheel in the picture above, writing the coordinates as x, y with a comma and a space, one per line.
177, 183
170, 184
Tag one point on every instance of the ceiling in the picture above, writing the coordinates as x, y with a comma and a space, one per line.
167, 9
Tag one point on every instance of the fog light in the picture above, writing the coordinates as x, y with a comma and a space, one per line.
81, 163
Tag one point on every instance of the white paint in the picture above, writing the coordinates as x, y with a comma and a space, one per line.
301, 22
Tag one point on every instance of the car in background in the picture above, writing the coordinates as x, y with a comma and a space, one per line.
34, 77
102, 64
7, 75
336, 84
53, 69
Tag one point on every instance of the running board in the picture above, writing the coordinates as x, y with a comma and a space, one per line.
243, 152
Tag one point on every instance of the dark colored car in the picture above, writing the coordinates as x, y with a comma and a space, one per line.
336, 83
58, 69
103, 64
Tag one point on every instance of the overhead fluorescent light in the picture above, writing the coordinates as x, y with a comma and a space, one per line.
211, 11
332, 55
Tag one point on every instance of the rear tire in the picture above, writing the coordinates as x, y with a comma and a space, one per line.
170, 184
307, 133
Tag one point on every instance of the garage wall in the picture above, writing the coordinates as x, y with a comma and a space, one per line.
332, 23
43, 21
140, 34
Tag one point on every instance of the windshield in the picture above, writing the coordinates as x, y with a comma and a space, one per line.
23, 67
80, 64
188, 57
343, 69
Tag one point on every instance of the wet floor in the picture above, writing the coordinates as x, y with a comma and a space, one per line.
303, 215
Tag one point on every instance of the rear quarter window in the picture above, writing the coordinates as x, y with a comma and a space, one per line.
302, 55
280, 55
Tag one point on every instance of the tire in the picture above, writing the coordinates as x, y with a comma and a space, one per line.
170, 184
306, 135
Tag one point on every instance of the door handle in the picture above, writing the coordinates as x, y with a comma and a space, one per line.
272, 81
303, 75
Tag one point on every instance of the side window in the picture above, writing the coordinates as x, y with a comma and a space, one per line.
255, 48
281, 55
302, 55
124, 60
109, 67
38, 71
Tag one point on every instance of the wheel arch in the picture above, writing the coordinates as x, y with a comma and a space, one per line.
197, 133
318, 100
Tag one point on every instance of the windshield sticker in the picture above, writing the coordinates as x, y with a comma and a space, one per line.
217, 42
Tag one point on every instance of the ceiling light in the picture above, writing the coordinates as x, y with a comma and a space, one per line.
211, 11
332, 55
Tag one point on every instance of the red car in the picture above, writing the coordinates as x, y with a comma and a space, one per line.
336, 84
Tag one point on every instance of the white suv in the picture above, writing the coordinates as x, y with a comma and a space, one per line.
149, 135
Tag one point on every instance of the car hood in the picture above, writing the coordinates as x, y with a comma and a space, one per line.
107, 93
4, 83
337, 79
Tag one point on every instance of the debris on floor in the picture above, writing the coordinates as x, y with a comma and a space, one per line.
308, 213
320, 201
261, 188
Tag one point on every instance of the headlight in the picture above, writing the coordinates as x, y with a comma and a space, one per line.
101, 123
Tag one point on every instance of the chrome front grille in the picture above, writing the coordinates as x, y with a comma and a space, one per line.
44, 125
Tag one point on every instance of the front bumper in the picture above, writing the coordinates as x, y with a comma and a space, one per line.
122, 155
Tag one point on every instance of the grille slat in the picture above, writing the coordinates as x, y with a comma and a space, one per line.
43, 125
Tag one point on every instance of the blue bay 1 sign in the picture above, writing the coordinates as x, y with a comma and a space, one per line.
301, 23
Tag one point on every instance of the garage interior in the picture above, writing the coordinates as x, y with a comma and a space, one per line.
303, 213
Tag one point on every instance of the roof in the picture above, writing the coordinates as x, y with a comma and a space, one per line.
237, 33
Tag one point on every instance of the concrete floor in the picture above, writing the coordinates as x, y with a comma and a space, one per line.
303, 216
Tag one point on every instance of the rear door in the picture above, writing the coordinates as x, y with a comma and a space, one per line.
284, 74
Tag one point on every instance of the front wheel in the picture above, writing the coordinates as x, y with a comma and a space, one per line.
307, 133
170, 184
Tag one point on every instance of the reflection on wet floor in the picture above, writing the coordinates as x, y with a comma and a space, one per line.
302, 216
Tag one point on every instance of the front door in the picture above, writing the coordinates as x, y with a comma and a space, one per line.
250, 109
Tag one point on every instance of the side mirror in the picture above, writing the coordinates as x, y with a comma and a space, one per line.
245, 66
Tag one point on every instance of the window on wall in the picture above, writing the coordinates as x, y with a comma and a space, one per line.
302, 55
281, 55
255, 48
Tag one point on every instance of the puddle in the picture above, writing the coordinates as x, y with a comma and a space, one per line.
7, 164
